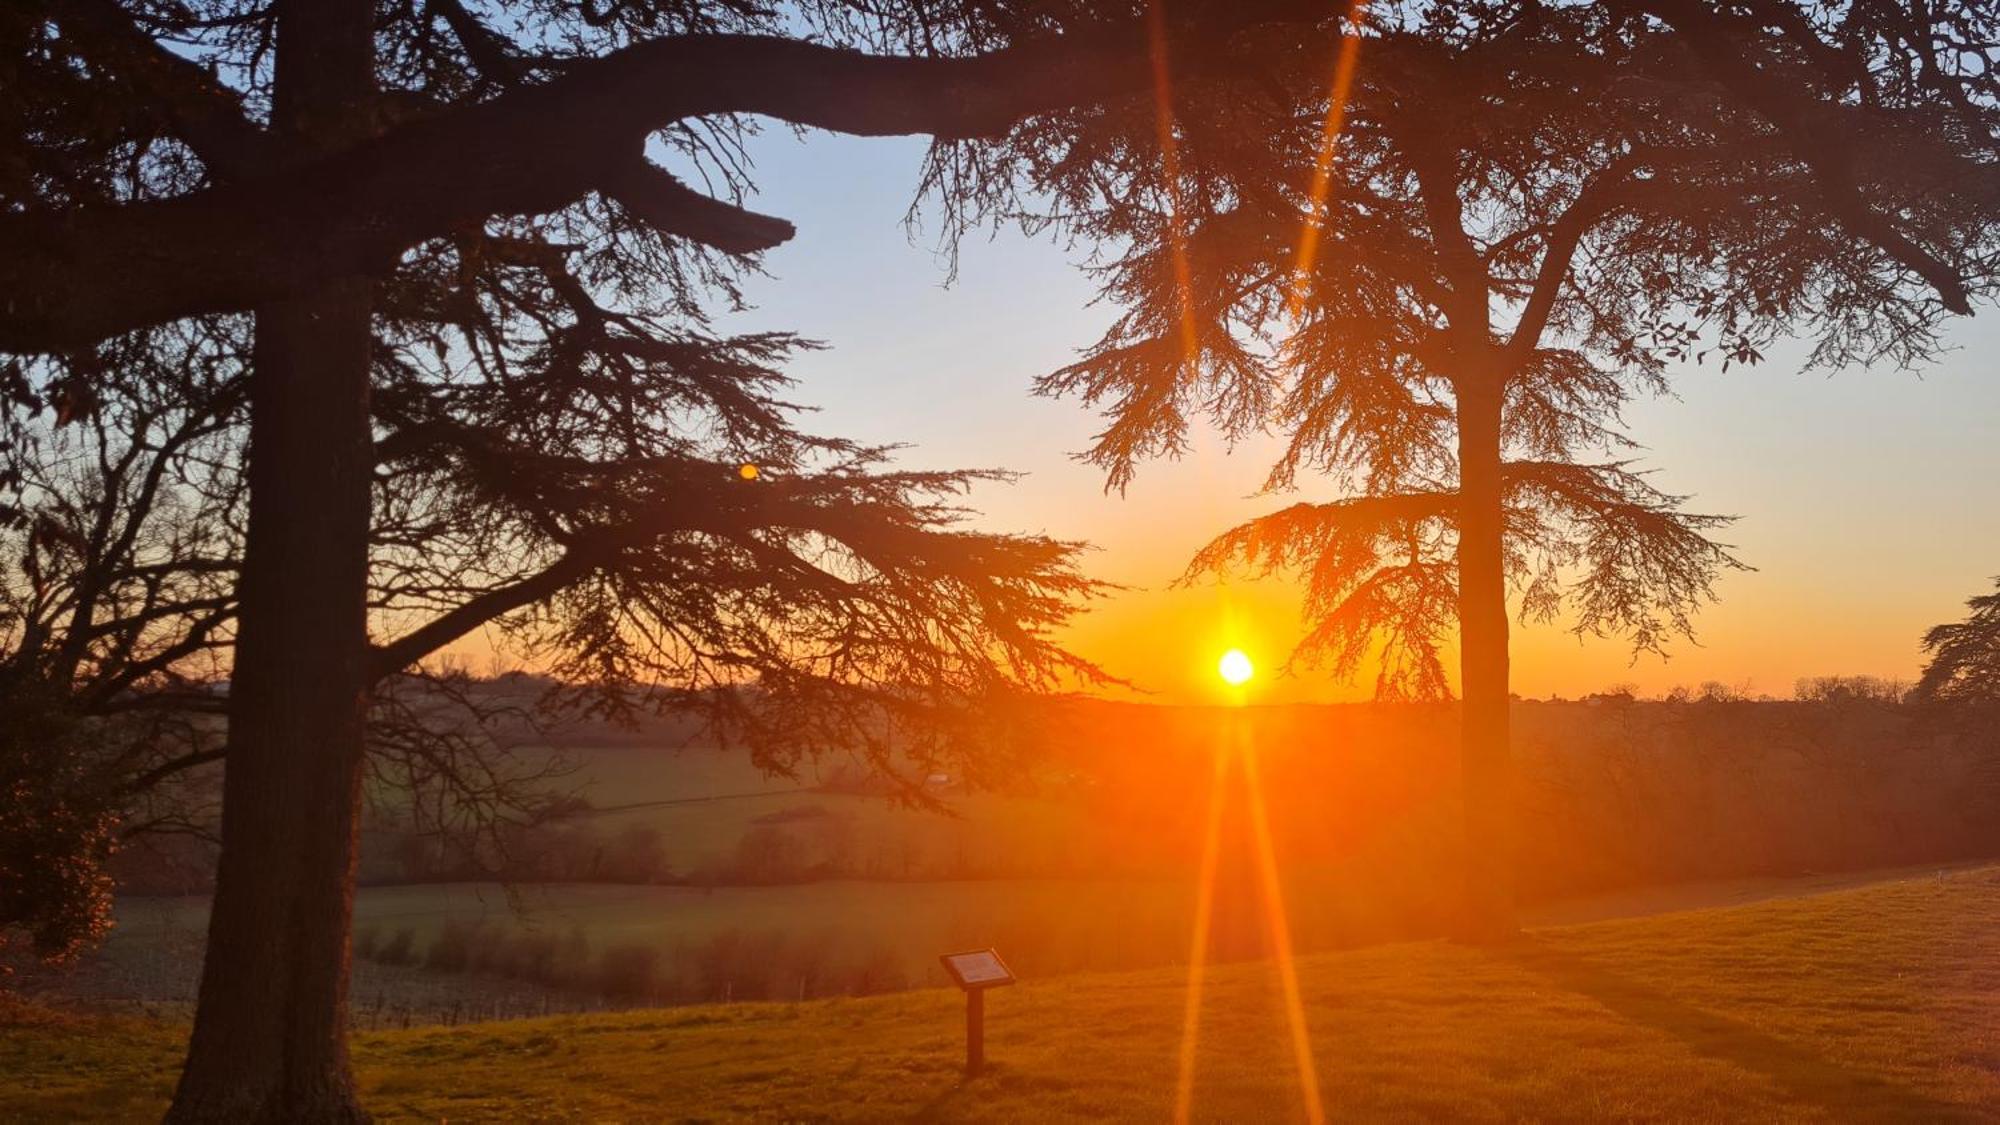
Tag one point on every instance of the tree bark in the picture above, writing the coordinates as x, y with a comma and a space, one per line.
270, 1031
1488, 902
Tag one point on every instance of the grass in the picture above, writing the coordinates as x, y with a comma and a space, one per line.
1878, 1003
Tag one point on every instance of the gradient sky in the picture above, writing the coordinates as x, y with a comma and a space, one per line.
1863, 496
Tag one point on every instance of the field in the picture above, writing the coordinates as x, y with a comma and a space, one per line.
690, 877
1880, 1002
702, 801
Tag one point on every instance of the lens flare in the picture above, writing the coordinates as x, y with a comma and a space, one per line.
1170, 174
1278, 925
1322, 183
1235, 668
1204, 912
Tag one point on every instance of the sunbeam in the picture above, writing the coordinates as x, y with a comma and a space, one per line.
1204, 909
1279, 925
1170, 160
1322, 183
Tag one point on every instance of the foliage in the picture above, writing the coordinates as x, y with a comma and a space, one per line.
58, 828
1965, 655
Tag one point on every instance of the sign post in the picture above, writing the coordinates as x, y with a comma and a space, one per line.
975, 971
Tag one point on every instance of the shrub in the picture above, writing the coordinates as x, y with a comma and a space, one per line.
58, 829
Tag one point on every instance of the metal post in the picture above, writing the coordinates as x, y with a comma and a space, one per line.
975, 1031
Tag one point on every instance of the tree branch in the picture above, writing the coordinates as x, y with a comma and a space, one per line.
655, 197
388, 659
1598, 198
205, 115
1824, 150
73, 277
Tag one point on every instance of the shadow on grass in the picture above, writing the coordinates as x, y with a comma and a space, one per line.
1806, 1077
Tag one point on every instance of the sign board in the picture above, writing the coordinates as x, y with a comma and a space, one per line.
977, 968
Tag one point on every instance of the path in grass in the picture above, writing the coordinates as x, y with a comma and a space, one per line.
1881, 1002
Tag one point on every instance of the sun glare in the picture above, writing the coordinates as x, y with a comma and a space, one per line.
1235, 668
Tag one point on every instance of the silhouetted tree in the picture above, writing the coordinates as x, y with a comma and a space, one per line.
479, 389
1964, 655
1443, 286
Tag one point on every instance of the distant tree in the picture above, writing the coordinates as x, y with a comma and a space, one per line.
1964, 655
1444, 273
1850, 689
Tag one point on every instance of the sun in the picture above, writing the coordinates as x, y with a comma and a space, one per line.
1235, 668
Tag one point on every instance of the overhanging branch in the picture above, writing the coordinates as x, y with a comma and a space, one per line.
662, 202
388, 659
71, 278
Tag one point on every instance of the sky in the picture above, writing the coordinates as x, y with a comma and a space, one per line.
1862, 496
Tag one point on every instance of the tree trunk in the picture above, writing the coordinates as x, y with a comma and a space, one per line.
269, 1040
1488, 905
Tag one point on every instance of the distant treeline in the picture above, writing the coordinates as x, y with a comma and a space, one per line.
1614, 791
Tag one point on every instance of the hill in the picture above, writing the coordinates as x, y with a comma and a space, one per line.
1879, 1003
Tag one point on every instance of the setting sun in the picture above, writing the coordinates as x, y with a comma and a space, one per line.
1235, 668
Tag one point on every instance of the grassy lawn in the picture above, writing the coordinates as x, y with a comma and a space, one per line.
1881, 1002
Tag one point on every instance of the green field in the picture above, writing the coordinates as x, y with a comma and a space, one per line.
1875, 1003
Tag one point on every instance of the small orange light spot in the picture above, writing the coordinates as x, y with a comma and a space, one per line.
748, 471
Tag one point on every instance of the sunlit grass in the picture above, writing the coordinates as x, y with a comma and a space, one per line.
1875, 1003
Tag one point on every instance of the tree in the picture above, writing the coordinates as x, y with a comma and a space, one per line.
469, 306
1964, 655
1443, 274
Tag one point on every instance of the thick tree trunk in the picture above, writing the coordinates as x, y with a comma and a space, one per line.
270, 1030
1488, 906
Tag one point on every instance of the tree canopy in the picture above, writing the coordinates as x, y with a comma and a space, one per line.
1964, 655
